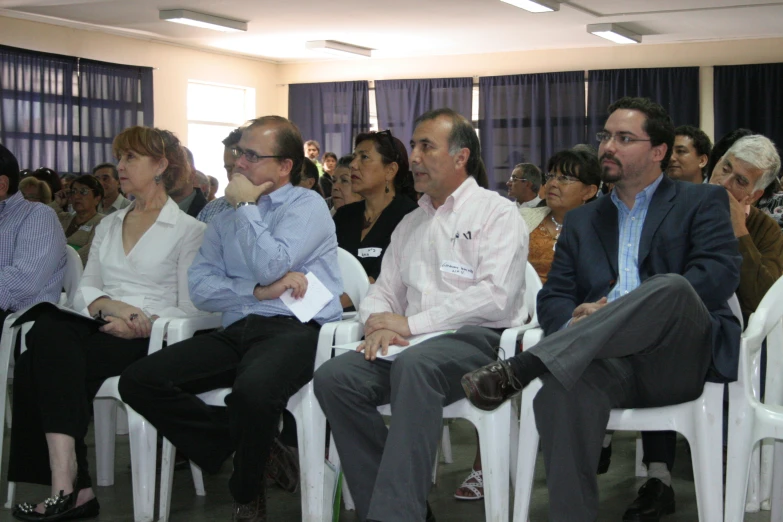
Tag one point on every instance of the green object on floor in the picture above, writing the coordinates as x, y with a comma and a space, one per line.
338, 494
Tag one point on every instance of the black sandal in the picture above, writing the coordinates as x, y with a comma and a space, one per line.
61, 507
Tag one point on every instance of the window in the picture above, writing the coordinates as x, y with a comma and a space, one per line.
213, 112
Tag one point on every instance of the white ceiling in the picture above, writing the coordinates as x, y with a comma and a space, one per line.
278, 30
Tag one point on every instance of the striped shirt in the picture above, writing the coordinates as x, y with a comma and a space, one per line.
212, 209
631, 223
32, 254
288, 230
460, 264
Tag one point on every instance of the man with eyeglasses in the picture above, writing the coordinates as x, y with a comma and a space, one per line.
524, 184
218, 205
635, 312
113, 200
250, 256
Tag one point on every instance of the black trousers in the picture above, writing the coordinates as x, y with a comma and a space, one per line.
264, 359
55, 381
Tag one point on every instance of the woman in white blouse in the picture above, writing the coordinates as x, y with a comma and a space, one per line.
136, 273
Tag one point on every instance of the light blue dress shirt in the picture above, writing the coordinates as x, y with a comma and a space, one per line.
630, 222
212, 209
289, 230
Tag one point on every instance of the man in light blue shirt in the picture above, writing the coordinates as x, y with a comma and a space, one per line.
250, 256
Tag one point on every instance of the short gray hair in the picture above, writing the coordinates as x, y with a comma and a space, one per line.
760, 152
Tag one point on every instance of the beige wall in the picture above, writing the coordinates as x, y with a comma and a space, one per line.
174, 65
704, 54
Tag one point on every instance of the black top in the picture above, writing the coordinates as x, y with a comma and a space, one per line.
348, 221
199, 202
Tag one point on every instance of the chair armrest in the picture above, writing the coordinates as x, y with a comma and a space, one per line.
336, 333
181, 328
510, 338
531, 338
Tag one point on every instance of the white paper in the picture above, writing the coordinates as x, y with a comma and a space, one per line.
458, 269
370, 252
394, 350
316, 297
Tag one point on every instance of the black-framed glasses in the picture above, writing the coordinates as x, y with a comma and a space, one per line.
620, 139
82, 191
249, 155
562, 179
388, 136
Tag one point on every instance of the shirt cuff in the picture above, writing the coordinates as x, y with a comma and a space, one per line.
86, 295
419, 324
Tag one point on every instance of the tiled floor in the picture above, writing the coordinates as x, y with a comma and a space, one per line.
618, 488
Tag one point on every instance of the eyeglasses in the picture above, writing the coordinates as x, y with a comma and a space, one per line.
82, 191
562, 179
513, 179
249, 155
388, 135
620, 139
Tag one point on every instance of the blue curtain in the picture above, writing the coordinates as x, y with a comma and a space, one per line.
675, 88
400, 102
333, 114
749, 96
527, 118
36, 108
111, 98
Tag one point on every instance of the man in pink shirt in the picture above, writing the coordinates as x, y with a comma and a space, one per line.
457, 262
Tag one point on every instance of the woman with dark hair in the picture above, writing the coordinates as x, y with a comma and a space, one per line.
138, 271
85, 195
573, 179
309, 178
327, 178
50, 177
381, 175
342, 191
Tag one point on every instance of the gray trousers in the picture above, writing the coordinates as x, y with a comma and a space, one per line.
389, 470
649, 348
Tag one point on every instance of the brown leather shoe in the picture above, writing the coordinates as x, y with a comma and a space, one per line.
254, 511
490, 386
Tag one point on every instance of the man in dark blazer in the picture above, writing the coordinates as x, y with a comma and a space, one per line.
634, 310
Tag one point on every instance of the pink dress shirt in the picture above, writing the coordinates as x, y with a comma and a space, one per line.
461, 264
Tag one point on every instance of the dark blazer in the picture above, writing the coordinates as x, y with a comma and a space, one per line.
687, 231
199, 202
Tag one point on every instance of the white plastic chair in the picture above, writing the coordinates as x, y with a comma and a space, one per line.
494, 428
71, 278
751, 421
310, 420
699, 421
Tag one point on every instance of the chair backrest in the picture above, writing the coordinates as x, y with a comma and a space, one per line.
532, 286
765, 323
73, 273
355, 281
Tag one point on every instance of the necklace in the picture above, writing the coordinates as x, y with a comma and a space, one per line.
558, 228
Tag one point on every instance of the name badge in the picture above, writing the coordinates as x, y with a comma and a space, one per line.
86, 228
370, 252
452, 267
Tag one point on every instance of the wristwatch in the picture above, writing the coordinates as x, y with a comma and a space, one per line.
243, 203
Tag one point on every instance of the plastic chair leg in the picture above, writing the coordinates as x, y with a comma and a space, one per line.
445, 443
311, 433
738, 459
9, 503
122, 422
144, 450
752, 499
167, 454
776, 500
641, 469
526, 453
8, 412
707, 452
765, 478
198, 479
105, 412
494, 432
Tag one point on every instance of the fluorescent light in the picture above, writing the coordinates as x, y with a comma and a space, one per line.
339, 48
539, 6
205, 21
615, 33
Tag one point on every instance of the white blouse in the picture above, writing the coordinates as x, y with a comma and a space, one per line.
154, 275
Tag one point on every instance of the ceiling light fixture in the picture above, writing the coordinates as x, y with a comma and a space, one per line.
614, 33
339, 48
539, 6
205, 21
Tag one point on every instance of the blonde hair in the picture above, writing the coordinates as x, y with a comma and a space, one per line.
157, 144
44, 192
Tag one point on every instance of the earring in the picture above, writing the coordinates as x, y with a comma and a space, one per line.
387, 187
157, 179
